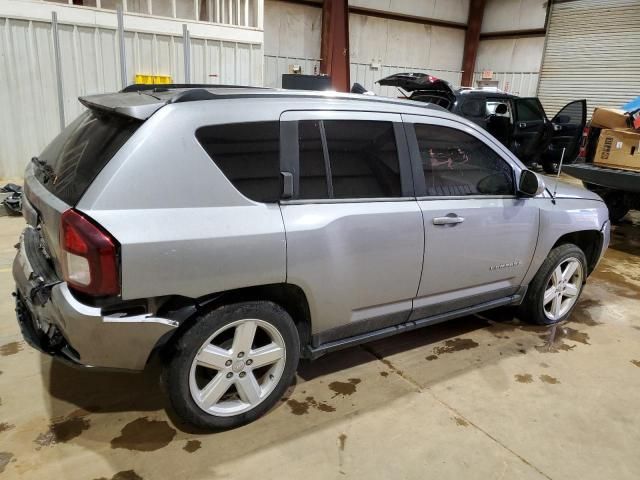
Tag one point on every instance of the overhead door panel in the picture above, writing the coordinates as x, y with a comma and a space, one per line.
591, 52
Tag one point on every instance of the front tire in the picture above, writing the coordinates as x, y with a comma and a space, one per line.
232, 365
554, 291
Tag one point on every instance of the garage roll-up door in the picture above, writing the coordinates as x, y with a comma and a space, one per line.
592, 51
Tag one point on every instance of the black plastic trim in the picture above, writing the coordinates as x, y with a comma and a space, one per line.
404, 159
312, 352
453, 305
352, 329
289, 152
419, 185
624, 180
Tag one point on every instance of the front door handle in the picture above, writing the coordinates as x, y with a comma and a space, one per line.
450, 219
522, 125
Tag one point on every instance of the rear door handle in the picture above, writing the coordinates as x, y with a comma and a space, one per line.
448, 220
522, 125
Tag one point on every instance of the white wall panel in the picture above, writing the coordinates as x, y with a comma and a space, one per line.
510, 54
90, 63
506, 15
30, 108
378, 40
447, 10
292, 30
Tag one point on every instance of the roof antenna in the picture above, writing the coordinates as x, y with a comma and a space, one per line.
555, 188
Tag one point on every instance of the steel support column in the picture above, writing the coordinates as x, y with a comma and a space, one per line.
121, 45
56, 52
472, 40
334, 46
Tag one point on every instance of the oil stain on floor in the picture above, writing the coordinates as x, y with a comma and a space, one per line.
64, 429
4, 426
342, 440
461, 422
456, 345
549, 379
192, 445
11, 348
144, 435
344, 388
5, 458
524, 378
302, 408
124, 475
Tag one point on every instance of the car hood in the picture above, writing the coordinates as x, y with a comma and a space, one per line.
416, 81
568, 190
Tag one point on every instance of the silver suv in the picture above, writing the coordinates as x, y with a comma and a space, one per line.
231, 231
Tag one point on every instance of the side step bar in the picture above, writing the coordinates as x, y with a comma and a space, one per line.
312, 353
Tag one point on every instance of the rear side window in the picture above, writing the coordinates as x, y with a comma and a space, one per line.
75, 157
357, 158
249, 156
457, 164
528, 110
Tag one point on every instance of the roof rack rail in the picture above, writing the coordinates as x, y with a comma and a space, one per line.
193, 96
141, 87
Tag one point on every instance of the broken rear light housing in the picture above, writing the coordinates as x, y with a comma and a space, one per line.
89, 256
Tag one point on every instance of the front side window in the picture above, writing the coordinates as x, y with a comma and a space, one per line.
348, 159
457, 164
249, 156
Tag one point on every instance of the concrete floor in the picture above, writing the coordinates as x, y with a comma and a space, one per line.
480, 397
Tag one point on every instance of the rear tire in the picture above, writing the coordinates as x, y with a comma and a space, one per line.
232, 365
554, 291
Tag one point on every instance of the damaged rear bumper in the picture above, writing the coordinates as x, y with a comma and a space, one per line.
55, 322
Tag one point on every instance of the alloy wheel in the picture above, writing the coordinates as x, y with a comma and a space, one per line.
562, 288
237, 367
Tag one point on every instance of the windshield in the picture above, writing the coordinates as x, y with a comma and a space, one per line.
69, 164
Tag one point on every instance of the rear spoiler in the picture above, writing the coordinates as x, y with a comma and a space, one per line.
128, 104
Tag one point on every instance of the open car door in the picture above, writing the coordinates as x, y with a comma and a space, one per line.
567, 131
530, 126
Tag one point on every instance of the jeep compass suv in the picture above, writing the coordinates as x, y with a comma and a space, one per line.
231, 231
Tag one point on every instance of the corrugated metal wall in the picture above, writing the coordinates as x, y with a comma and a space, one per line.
90, 62
592, 52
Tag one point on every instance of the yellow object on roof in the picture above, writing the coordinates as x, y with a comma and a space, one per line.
152, 79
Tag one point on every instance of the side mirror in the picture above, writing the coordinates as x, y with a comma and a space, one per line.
530, 185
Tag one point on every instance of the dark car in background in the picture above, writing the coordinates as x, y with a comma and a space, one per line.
520, 123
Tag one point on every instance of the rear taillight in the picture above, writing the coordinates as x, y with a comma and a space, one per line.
584, 141
89, 257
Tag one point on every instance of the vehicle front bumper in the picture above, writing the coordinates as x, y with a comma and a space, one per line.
53, 321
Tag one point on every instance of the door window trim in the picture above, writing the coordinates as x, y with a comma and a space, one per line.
290, 152
420, 187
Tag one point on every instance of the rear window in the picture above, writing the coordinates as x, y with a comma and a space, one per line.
69, 164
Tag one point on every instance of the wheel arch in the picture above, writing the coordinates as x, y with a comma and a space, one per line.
186, 310
589, 241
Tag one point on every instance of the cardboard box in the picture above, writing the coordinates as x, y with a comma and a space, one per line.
609, 118
619, 148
